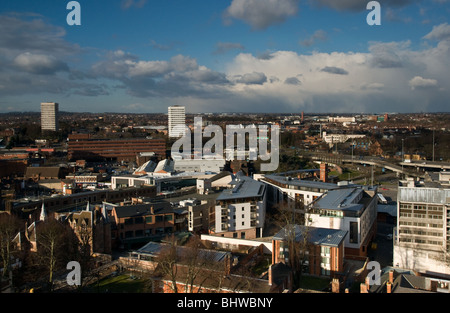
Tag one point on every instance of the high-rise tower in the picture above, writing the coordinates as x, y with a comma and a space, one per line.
177, 120
49, 116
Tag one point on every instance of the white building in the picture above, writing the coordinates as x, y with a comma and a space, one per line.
422, 241
176, 121
49, 116
296, 190
332, 139
352, 209
240, 211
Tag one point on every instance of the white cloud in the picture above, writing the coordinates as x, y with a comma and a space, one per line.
39, 63
439, 32
419, 82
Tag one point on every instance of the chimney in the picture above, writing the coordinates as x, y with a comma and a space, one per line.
335, 285
270, 275
363, 288
323, 172
388, 287
346, 290
152, 210
391, 276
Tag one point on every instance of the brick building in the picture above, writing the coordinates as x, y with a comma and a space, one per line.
324, 248
142, 222
114, 149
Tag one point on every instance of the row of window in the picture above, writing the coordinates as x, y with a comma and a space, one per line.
420, 232
421, 241
421, 224
421, 207
148, 219
146, 232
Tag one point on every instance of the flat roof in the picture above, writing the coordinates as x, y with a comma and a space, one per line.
316, 235
340, 199
245, 187
143, 209
303, 183
154, 248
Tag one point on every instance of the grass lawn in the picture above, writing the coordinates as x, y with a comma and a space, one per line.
314, 283
120, 284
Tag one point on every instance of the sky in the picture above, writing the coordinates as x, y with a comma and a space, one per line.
251, 56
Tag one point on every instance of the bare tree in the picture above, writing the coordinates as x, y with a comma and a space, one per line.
293, 218
9, 228
191, 267
167, 263
55, 246
85, 249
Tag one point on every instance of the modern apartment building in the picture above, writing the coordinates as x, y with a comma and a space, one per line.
240, 211
422, 241
352, 209
49, 116
294, 190
176, 121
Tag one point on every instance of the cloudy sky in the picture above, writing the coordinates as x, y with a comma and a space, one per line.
140, 56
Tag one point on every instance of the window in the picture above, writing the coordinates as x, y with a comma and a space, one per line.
159, 218
128, 234
139, 220
149, 219
168, 217
128, 221
353, 232
324, 250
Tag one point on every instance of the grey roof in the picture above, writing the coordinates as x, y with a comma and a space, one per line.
303, 183
143, 209
390, 209
341, 199
154, 248
316, 235
245, 188
423, 194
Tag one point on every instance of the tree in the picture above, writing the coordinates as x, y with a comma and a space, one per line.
9, 228
84, 249
294, 220
190, 267
167, 261
56, 245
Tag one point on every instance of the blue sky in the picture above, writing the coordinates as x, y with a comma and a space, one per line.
141, 56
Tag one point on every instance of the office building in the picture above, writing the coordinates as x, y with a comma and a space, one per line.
422, 236
177, 121
115, 149
49, 116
